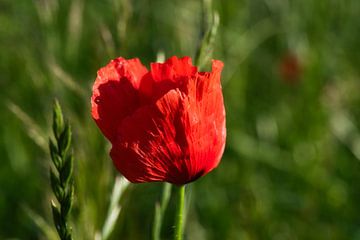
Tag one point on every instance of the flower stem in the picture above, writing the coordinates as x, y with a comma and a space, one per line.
179, 218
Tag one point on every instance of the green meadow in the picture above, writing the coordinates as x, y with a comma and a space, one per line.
291, 82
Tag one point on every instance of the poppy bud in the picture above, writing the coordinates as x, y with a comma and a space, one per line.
166, 124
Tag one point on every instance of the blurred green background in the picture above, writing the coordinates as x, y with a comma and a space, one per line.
291, 85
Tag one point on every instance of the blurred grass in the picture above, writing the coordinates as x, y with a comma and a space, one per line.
291, 167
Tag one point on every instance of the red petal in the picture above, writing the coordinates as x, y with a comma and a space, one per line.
173, 69
172, 74
146, 149
115, 93
205, 121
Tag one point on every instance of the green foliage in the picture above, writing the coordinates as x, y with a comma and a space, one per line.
291, 165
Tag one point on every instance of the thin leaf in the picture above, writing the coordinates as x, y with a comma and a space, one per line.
160, 211
120, 186
42, 224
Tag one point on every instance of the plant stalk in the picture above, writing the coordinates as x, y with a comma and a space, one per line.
179, 217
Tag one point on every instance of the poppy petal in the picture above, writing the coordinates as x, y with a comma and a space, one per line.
147, 148
205, 121
115, 93
162, 77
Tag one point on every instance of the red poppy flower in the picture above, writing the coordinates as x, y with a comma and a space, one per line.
166, 124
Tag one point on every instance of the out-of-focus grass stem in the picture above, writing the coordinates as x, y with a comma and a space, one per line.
120, 186
160, 211
210, 24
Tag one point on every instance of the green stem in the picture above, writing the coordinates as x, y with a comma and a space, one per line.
179, 218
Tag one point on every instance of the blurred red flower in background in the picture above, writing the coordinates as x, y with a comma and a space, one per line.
166, 124
290, 68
